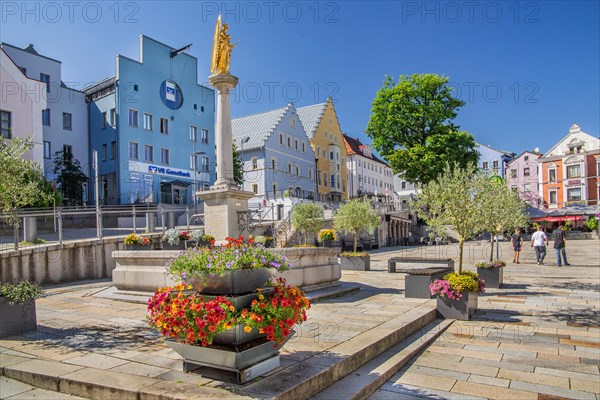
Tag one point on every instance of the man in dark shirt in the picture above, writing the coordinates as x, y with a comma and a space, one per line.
517, 242
560, 241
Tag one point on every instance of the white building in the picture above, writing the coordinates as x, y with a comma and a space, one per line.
367, 174
64, 118
21, 107
404, 191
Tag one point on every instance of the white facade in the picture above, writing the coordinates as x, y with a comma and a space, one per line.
21, 107
367, 175
65, 118
405, 192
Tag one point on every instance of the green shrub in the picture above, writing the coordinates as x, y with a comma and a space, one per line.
21, 292
467, 281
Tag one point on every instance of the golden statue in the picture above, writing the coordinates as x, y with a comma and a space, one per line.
221, 49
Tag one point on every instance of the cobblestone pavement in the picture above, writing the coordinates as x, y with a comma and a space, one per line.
537, 338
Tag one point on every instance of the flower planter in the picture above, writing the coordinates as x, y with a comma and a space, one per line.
135, 247
356, 263
248, 363
17, 318
232, 282
461, 309
416, 284
327, 243
179, 246
493, 277
236, 336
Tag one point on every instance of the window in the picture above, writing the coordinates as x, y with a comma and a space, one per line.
330, 121
133, 151
47, 150
148, 153
67, 149
495, 164
67, 121
289, 168
205, 164
318, 151
403, 185
148, 122
6, 124
113, 117
133, 118
46, 79
23, 70
46, 117
485, 165
296, 144
553, 197
297, 171
281, 139
274, 190
289, 142
332, 180
573, 171
204, 136
164, 126
526, 158
273, 163
513, 173
164, 156
552, 175
113, 150
255, 188
293, 122
254, 163
303, 147
526, 187
193, 133
104, 120
310, 174
574, 194
575, 149
526, 171
331, 155
104, 151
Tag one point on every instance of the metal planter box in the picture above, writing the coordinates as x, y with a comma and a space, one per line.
233, 282
356, 263
136, 247
493, 277
182, 245
17, 318
236, 336
461, 309
416, 284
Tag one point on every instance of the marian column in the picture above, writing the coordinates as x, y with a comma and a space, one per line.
224, 199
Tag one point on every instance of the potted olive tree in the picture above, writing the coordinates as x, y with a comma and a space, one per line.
17, 308
353, 217
307, 218
455, 200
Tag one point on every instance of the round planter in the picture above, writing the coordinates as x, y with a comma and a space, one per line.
232, 282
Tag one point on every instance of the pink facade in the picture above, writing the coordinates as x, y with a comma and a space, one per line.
522, 176
22, 100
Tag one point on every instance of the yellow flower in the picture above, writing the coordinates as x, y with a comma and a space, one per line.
247, 329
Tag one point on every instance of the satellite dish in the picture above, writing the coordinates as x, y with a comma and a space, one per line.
536, 150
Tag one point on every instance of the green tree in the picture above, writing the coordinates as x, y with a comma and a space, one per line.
455, 199
238, 166
355, 216
70, 178
502, 211
307, 218
592, 223
411, 126
21, 180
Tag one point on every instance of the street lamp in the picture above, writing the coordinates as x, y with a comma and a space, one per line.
195, 160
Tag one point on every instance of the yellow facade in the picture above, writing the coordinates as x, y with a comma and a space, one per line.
330, 151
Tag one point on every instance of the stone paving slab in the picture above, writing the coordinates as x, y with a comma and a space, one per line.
11, 389
537, 337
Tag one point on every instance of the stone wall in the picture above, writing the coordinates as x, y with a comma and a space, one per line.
56, 263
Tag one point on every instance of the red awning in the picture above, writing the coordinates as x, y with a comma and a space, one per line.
558, 219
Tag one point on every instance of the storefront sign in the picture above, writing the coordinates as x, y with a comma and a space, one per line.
168, 171
573, 181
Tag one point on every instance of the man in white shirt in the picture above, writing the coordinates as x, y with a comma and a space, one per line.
539, 240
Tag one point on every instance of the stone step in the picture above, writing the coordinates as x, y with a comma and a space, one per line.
316, 373
365, 380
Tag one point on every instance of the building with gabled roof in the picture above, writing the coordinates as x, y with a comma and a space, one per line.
522, 177
276, 154
492, 160
326, 139
367, 174
570, 171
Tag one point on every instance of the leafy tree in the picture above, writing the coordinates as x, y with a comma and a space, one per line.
307, 218
411, 126
455, 199
70, 178
592, 223
502, 210
238, 166
20, 179
355, 216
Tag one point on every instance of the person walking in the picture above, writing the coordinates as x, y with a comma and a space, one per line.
517, 242
539, 240
560, 242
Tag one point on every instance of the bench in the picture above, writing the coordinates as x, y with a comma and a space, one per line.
416, 284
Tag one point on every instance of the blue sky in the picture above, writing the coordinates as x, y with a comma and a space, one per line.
526, 70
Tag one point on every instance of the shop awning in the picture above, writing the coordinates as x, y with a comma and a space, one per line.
558, 219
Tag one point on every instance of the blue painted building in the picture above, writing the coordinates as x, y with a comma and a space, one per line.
152, 125
493, 161
278, 159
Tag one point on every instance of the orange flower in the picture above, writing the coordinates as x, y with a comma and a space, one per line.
247, 329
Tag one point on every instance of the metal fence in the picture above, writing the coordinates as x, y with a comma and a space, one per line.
38, 226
